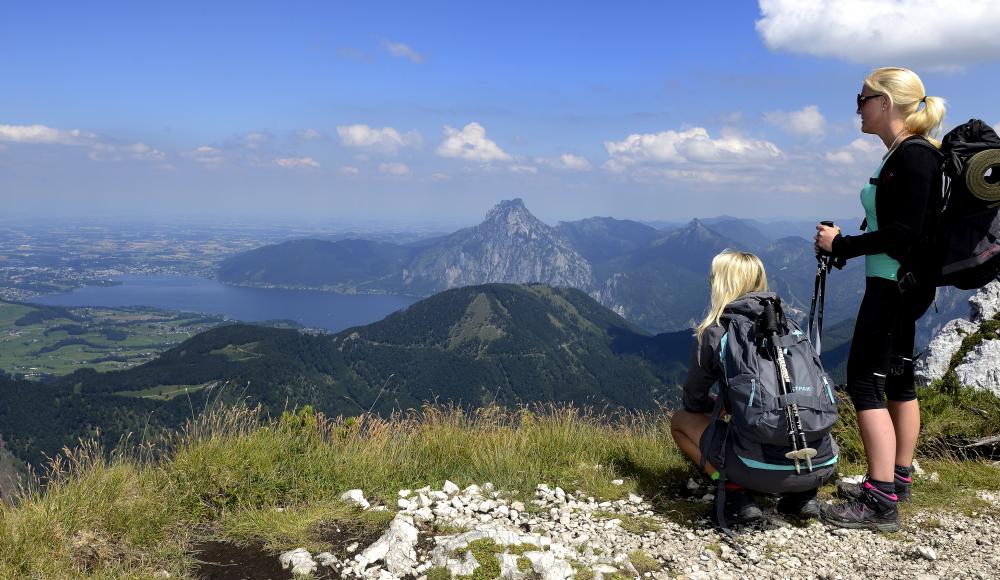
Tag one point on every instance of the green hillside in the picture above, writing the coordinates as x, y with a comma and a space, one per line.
474, 345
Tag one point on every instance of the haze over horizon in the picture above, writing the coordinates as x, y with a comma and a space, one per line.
425, 114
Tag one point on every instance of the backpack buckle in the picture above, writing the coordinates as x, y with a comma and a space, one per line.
907, 282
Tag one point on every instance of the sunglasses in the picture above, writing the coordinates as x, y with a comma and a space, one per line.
862, 99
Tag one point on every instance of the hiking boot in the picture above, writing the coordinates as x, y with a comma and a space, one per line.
873, 510
740, 507
800, 504
904, 488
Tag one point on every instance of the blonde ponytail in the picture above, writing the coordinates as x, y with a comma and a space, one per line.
906, 92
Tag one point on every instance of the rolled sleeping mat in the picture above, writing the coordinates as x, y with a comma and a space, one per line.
975, 175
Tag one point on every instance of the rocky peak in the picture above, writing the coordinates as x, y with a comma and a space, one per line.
511, 217
510, 245
506, 208
694, 232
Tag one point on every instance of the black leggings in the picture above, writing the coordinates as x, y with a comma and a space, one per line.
880, 363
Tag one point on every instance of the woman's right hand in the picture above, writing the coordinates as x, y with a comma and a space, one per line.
824, 238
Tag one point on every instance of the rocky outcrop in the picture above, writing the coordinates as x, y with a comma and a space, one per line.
941, 348
981, 367
978, 367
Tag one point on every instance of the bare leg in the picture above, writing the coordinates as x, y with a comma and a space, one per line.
906, 423
686, 428
880, 442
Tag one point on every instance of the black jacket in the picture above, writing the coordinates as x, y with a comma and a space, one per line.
907, 203
704, 370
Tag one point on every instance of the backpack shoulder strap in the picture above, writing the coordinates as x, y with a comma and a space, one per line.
921, 141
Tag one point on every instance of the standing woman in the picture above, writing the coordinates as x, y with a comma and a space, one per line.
901, 203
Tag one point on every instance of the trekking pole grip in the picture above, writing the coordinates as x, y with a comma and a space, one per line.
770, 318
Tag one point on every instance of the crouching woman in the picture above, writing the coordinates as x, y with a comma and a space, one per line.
749, 445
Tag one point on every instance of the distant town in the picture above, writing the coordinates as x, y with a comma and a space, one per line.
50, 257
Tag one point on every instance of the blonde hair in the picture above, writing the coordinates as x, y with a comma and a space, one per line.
733, 275
906, 91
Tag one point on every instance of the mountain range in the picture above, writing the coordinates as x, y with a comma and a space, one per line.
654, 278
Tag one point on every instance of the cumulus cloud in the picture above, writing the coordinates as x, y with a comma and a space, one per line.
384, 140
694, 145
808, 122
393, 168
296, 162
45, 135
567, 161
400, 50
470, 144
518, 168
861, 150
349, 170
439, 176
309, 134
937, 33
98, 148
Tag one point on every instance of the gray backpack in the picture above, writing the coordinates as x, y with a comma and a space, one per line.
753, 384
758, 439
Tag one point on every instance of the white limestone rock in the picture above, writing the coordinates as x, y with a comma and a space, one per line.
355, 497
395, 547
450, 488
299, 560
546, 565
326, 559
941, 348
985, 303
981, 367
464, 567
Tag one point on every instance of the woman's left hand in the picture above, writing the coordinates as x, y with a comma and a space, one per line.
824, 237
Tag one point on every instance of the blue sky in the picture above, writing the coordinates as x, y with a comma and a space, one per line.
432, 112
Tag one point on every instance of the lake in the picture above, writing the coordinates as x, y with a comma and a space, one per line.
328, 310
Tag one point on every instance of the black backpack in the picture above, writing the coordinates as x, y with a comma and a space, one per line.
965, 244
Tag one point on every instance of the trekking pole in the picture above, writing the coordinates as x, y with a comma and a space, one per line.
800, 447
824, 263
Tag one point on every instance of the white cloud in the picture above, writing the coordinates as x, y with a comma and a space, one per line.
208, 155
43, 134
438, 176
349, 170
691, 146
290, 162
400, 50
938, 33
100, 151
143, 151
864, 150
309, 134
393, 168
518, 168
470, 144
809, 121
567, 161
254, 139
385, 140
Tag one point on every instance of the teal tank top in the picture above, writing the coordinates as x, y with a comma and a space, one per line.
876, 265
